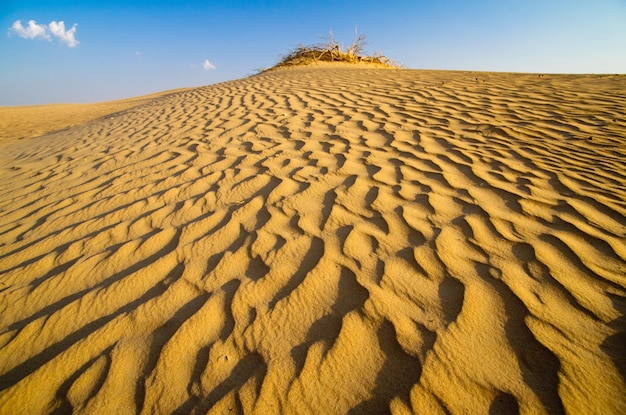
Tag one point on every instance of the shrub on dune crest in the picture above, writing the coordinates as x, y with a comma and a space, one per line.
332, 51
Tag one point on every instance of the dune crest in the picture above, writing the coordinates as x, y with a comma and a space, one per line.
323, 240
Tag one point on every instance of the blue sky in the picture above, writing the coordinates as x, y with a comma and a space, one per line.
127, 48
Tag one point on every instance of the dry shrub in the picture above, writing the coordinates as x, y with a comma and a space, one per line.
332, 51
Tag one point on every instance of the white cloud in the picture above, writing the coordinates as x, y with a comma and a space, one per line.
207, 65
42, 31
65, 36
32, 31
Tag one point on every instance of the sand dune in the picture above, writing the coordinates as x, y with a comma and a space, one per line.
18, 123
323, 240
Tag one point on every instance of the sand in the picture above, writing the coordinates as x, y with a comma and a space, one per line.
21, 122
322, 240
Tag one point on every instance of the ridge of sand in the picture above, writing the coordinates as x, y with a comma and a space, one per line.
22, 122
323, 240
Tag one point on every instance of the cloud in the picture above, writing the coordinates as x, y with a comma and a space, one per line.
32, 31
42, 31
208, 65
65, 36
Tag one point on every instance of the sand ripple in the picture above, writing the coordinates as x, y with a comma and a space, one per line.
323, 241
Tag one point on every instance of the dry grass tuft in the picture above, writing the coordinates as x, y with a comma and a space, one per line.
332, 51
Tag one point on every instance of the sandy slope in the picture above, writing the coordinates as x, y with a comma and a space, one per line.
17, 123
323, 240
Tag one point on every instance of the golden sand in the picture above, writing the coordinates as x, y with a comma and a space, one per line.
17, 123
321, 240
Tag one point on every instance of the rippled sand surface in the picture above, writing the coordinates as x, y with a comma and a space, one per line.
322, 240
